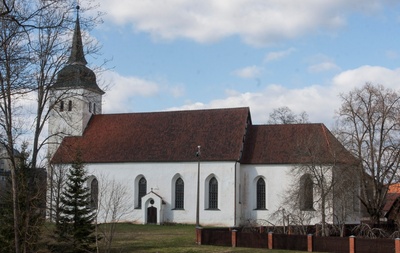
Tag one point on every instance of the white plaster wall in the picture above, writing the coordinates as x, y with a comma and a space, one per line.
276, 179
160, 177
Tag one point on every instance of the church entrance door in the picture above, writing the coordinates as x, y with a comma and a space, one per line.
152, 215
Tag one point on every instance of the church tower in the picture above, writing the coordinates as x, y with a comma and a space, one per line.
75, 96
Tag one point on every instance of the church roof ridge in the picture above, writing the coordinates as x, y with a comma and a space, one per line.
173, 111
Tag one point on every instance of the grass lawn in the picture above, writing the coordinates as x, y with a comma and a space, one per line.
169, 238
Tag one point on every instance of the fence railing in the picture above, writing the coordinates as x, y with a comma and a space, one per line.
257, 239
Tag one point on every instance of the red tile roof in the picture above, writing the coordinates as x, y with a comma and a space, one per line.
394, 188
293, 144
159, 137
174, 137
391, 197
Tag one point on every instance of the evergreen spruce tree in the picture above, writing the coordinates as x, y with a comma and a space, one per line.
75, 228
6, 217
31, 195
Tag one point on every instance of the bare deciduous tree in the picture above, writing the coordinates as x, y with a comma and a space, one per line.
114, 204
32, 48
284, 115
314, 183
55, 188
368, 125
320, 180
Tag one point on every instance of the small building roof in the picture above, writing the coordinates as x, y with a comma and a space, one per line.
392, 197
394, 188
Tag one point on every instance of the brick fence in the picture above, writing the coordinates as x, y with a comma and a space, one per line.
257, 239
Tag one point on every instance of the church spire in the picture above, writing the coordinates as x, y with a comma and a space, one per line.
77, 56
75, 74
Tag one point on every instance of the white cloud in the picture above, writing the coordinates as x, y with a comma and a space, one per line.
257, 22
125, 88
323, 66
372, 74
248, 72
319, 101
273, 56
321, 63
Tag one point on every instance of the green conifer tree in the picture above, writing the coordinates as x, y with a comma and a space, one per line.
31, 195
75, 229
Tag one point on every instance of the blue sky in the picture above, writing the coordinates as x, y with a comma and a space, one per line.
265, 54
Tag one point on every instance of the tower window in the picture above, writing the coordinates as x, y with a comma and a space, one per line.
69, 105
61, 106
94, 108
90, 106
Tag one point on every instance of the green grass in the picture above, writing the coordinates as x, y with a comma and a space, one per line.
168, 238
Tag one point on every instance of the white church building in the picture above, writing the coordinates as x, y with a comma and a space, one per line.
243, 169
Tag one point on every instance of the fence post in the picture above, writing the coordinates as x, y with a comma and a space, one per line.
234, 238
270, 240
352, 244
198, 235
397, 245
309, 243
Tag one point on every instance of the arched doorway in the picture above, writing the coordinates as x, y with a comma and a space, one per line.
151, 213
152, 209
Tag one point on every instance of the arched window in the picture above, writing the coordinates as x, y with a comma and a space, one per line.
142, 191
69, 105
261, 194
213, 194
179, 193
94, 194
94, 108
61, 106
90, 106
306, 193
